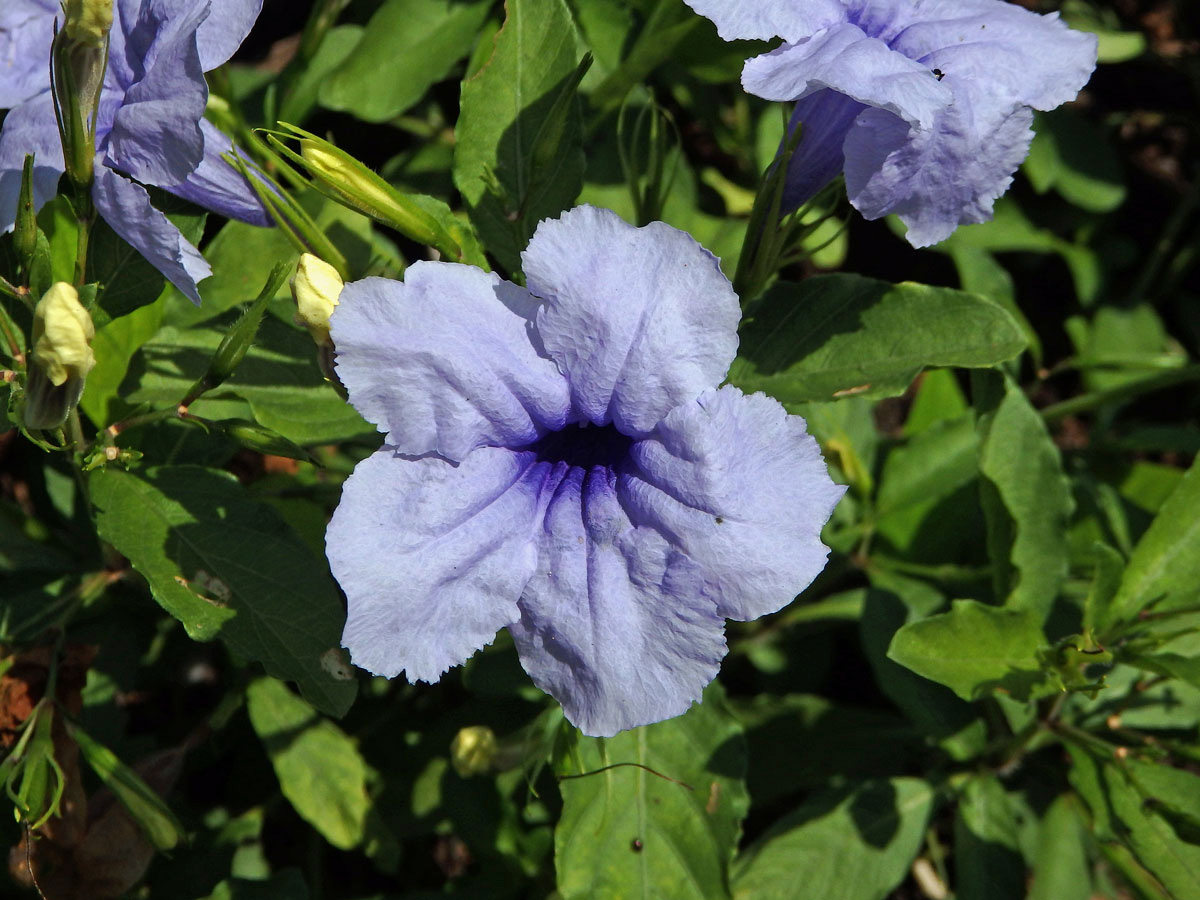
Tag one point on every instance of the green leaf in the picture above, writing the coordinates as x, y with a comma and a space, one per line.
286, 885
1026, 497
974, 649
1120, 814
279, 378
835, 335
508, 107
228, 567
1110, 566
114, 346
319, 768
1061, 870
1165, 566
627, 832
1073, 155
406, 48
145, 806
848, 845
987, 863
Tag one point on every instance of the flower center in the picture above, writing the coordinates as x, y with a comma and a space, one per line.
585, 446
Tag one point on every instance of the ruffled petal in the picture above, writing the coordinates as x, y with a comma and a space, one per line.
218, 186
848, 60
613, 624
739, 486
155, 135
30, 128
638, 319
223, 31
938, 179
26, 32
1021, 57
765, 19
126, 207
443, 362
826, 117
432, 556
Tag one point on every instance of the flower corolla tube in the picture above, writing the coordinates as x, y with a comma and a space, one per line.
150, 123
561, 462
925, 105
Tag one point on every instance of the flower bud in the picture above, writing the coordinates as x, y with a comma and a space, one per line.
61, 357
316, 286
473, 750
88, 21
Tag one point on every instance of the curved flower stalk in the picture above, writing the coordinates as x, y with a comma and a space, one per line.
925, 105
560, 461
150, 126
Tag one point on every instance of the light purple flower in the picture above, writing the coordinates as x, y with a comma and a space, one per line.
150, 122
560, 461
926, 105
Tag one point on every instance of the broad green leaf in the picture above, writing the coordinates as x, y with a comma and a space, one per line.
302, 96
509, 177
980, 273
279, 378
1119, 812
1165, 566
848, 845
839, 335
918, 476
987, 863
975, 649
228, 567
319, 768
1173, 665
1061, 870
1114, 45
1110, 566
1073, 155
406, 48
1026, 498
114, 346
628, 832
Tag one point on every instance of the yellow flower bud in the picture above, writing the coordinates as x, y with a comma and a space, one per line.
61, 357
88, 21
316, 287
62, 335
473, 750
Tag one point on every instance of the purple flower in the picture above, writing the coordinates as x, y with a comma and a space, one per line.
560, 461
150, 122
926, 105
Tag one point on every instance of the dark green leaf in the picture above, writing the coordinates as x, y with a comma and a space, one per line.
228, 567
836, 335
1061, 870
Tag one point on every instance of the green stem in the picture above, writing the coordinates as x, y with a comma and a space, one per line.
1121, 392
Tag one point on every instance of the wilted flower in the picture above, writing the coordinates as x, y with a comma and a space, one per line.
926, 105
559, 461
150, 120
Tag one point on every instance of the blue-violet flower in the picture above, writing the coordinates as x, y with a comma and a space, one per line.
560, 461
150, 122
925, 105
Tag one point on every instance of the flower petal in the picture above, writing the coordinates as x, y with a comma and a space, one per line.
30, 128
443, 361
765, 19
218, 186
126, 207
613, 624
739, 486
846, 59
26, 31
219, 34
155, 135
432, 556
638, 319
939, 179
1020, 56
826, 117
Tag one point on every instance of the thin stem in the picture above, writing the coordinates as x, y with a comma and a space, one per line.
1121, 392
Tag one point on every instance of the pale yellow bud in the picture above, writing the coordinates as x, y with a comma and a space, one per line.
316, 287
88, 21
62, 335
473, 750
